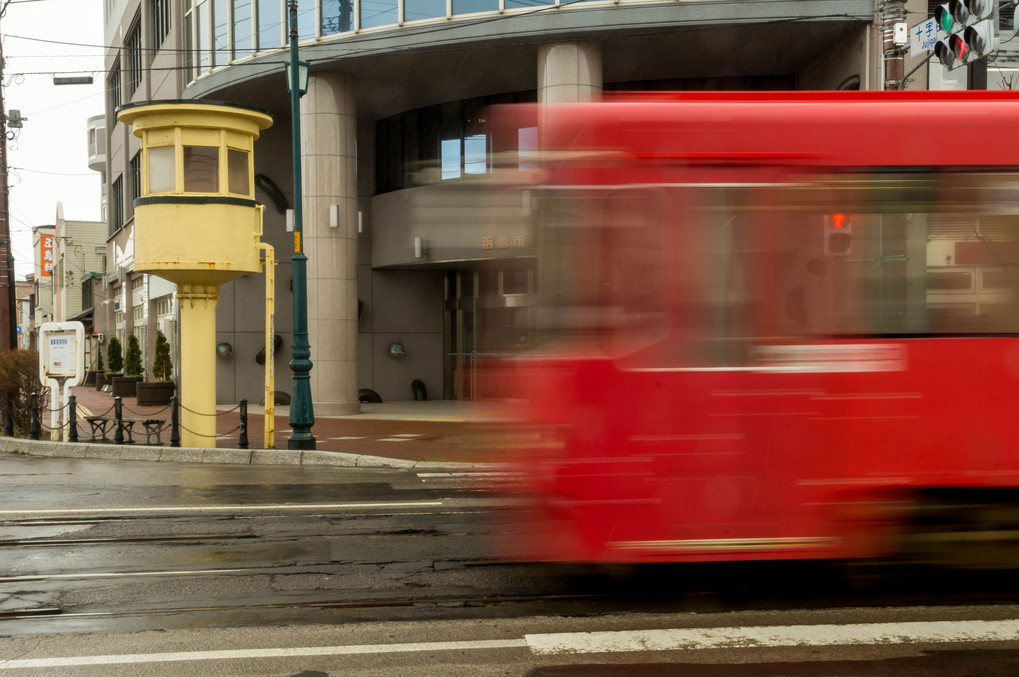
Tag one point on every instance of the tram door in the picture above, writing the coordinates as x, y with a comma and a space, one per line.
460, 329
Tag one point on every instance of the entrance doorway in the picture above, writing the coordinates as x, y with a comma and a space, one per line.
487, 315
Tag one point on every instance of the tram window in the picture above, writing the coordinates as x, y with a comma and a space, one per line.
931, 254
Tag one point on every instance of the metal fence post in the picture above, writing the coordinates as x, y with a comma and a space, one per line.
33, 416
243, 441
118, 414
72, 418
174, 421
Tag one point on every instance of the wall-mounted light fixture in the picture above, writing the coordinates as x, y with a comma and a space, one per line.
334, 216
224, 350
396, 350
419, 248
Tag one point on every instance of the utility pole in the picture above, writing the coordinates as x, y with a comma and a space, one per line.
893, 12
8, 296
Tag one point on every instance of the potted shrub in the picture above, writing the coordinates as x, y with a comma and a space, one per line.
115, 358
160, 389
100, 375
125, 385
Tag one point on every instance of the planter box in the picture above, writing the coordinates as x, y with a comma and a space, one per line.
124, 385
100, 380
153, 393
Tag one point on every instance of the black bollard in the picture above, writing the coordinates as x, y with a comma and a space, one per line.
9, 416
33, 416
72, 418
118, 414
174, 422
243, 441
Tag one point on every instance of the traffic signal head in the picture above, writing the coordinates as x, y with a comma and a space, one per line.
838, 234
970, 31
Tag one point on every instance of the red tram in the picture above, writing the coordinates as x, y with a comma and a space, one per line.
772, 326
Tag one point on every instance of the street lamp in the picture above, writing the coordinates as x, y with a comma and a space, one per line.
302, 414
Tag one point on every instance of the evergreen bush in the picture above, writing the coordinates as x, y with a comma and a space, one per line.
133, 359
115, 356
162, 365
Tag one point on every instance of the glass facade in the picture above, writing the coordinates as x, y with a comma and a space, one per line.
218, 31
437, 143
270, 24
243, 29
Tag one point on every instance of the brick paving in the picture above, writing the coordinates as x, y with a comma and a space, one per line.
417, 431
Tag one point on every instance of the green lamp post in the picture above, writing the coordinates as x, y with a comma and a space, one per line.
302, 414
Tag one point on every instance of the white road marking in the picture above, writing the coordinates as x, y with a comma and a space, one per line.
240, 654
393, 439
602, 642
186, 509
764, 636
348, 437
407, 435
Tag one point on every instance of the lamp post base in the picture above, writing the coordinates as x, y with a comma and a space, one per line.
306, 443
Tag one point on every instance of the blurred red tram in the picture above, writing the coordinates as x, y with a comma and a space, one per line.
772, 326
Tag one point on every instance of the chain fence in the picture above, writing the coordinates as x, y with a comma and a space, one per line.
99, 427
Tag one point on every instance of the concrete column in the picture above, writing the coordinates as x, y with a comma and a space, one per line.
569, 72
198, 364
329, 167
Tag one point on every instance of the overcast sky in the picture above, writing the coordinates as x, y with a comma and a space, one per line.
48, 158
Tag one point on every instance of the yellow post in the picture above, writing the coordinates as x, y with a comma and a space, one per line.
270, 345
198, 364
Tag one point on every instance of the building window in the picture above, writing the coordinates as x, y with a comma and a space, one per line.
113, 88
203, 24
379, 13
305, 21
138, 313
137, 283
243, 29
189, 41
442, 142
97, 141
87, 297
117, 205
101, 259
161, 170
220, 47
163, 306
237, 171
201, 169
270, 24
336, 16
160, 21
133, 48
135, 172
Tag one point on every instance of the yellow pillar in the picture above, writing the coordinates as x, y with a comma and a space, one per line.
198, 364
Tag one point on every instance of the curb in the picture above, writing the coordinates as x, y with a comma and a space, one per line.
133, 452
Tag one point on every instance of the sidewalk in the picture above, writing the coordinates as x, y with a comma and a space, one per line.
433, 433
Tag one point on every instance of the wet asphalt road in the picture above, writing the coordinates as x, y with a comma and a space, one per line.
164, 567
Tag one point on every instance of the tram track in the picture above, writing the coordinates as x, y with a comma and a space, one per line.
434, 602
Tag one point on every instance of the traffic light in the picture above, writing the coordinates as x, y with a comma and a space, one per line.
838, 234
969, 28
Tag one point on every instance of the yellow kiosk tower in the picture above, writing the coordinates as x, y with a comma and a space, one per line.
197, 224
